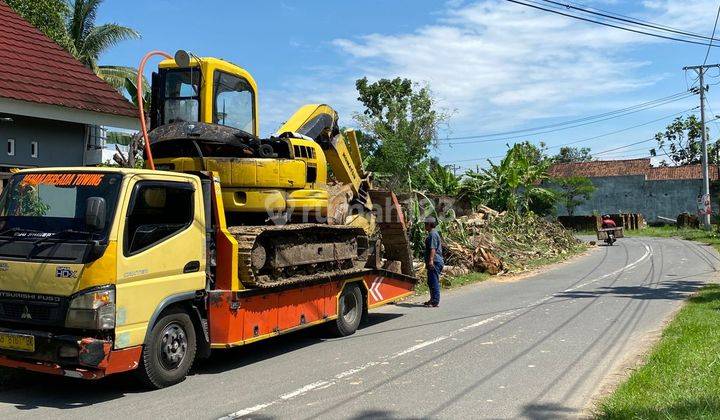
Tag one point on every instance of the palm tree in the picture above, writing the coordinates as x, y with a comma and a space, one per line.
89, 41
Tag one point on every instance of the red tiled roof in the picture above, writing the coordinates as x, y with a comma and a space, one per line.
629, 167
600, 168
33, 68
682, 172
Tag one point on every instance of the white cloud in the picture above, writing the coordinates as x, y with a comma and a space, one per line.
495, 62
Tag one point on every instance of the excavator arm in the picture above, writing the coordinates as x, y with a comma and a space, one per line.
319, 122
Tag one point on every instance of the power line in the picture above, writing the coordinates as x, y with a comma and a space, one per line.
581, 140
637, 31
623, 147
625, 111
662, 27
707, 53
535, 133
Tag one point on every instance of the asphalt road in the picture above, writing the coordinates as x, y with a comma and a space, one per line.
534, 348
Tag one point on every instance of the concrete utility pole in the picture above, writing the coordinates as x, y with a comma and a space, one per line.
706, 178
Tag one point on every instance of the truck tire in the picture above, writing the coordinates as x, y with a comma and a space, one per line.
169, 353
350, 311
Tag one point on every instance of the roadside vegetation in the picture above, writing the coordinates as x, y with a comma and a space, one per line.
679, 379
494, 219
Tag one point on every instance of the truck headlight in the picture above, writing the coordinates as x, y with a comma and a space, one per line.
93, 310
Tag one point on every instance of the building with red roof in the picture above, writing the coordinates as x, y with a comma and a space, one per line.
51, 105
635, 186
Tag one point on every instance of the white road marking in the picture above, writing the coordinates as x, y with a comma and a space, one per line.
348, 373
303, 390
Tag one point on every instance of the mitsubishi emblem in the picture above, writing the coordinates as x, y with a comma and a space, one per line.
26, 313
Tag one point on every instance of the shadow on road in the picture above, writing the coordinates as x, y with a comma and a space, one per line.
28, 390
670, 290
547, 411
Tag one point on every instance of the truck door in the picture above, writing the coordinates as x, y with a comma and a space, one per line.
163, 252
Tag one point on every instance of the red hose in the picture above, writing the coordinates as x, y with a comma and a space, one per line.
143, 127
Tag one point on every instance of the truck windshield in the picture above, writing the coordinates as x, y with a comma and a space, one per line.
180, 95
48, 205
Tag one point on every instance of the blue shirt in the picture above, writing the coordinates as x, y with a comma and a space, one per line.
433, 242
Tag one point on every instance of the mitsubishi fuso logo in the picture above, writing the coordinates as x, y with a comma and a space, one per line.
26, 313
4, 267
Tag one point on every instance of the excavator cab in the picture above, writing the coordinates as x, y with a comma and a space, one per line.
207, 90
203, 117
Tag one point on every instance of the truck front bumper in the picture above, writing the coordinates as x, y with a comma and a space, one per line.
70, 355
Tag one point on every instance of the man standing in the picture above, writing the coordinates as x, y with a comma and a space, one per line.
433, 261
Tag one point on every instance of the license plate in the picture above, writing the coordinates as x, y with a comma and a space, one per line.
18, 342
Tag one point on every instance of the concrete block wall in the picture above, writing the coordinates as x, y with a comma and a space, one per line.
635, 194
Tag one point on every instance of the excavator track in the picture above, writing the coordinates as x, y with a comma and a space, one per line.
270, 256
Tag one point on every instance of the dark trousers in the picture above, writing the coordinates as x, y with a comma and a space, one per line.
433, 280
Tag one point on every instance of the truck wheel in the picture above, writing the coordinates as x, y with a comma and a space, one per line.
169, 352
350, 307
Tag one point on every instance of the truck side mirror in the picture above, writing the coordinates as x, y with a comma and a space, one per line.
95, 213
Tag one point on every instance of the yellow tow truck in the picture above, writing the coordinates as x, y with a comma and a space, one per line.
107, 270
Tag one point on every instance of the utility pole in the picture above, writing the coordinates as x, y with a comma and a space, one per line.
706, 178
455, 169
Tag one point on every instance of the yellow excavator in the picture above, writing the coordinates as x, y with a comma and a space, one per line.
292, 224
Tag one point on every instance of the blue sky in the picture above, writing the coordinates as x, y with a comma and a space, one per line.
492, 65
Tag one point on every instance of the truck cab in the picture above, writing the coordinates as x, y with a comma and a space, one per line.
88, 259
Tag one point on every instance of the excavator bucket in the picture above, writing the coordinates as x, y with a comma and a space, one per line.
393, 230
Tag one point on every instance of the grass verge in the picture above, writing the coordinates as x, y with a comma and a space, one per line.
711, 237
680, 379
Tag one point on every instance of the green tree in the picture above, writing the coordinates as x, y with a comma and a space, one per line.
400, 125
48, 16
573, 191
438, 179
536, 153
89, 40
569, 154
513, 185
681, 143
118, 137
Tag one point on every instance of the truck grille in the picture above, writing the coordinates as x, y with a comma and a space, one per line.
32, 311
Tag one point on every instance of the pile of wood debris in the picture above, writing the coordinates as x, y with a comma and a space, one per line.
494, 243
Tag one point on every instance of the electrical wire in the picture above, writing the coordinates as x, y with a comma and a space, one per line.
637, 31
585, 139
707, 53
579, 141
627, 19
624, 111
695, 34
623, 147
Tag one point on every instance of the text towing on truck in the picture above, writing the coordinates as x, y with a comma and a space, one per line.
108, 270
